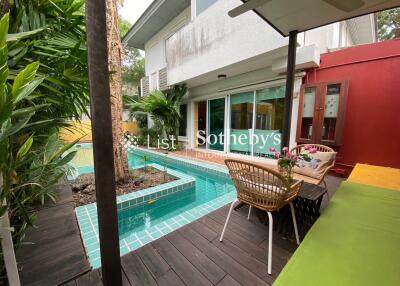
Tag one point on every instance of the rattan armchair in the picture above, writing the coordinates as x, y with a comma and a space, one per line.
316, 181
264, 189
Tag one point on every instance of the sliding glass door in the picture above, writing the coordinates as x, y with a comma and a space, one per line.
270, 104
256, 121
216, 127
241, 122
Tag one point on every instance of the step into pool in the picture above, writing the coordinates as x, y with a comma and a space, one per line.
148, 220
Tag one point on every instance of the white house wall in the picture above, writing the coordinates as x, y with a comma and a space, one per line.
214, 40
155, 47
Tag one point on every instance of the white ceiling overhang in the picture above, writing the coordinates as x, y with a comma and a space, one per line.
302, 15
156, 17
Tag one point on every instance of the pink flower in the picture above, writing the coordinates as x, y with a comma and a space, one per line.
307, 147
277, 154
313, 150
285, 149
296, 158
289, 154
272, 149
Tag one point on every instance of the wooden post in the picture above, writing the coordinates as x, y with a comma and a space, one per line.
291, 64
103, 141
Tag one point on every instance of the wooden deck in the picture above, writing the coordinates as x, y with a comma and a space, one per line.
193, 255
53, 252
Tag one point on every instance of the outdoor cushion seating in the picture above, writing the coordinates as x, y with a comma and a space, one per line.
324, 161
355, 242
264, 189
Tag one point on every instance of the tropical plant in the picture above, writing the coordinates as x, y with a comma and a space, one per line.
133, 65
163, 108
59, 45
388, 24
30, 164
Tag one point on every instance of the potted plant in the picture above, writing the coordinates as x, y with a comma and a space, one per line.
287, 161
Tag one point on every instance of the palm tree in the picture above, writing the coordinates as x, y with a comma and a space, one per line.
163, 108
115, 52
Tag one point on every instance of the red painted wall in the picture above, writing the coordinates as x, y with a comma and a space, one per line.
372, 120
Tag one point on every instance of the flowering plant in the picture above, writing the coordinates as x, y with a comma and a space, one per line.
287, 160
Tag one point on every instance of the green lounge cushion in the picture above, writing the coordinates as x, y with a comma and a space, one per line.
356, 241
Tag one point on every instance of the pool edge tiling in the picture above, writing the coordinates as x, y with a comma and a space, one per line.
87, 215
212, 168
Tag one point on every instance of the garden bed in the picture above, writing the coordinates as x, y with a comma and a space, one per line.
84, 192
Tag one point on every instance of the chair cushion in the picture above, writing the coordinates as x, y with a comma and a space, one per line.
274, 189
316, 168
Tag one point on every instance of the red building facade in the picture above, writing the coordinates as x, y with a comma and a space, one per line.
371, 129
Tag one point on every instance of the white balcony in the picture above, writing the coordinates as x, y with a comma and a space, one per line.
213, 41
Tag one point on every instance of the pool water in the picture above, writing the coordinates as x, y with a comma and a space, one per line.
208, 187
144, 223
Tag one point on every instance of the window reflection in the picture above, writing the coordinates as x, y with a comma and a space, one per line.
241, 122
270, 104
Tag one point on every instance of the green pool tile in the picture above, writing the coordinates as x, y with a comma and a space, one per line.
200, 188
134, 245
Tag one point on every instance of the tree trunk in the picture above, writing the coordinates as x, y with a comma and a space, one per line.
115, 52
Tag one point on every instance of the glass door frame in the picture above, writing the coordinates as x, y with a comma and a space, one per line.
225, 97
253, 89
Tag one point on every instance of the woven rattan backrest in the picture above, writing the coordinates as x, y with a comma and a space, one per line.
259, 186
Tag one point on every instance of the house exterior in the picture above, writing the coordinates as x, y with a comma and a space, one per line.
371, 125
234, 69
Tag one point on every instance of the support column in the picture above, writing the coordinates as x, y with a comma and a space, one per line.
290, 77
103, 141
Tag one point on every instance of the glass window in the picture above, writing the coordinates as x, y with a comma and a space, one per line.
308, 112
241, 122
270, 106
331, 111
216, 116
202, 5
183, 123
153, 81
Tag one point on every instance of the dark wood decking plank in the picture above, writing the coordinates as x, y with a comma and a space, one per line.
258, 267
279, 255
153, 261
92, 278
70, 283
55, 252
228, 281
228, 264
252, 232
182, 267
170, 279
136, 271
246, 260
205, 265
125, 281
282, 248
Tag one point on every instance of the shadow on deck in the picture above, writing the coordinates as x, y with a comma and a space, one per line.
193, 254
52, 251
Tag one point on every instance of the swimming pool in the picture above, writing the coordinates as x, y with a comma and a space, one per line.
144, 222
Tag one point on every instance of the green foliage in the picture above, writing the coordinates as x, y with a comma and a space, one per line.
34, 103
51, 33
389, 24
132, 73
146, 160
124, 26
163, 108
134, 65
